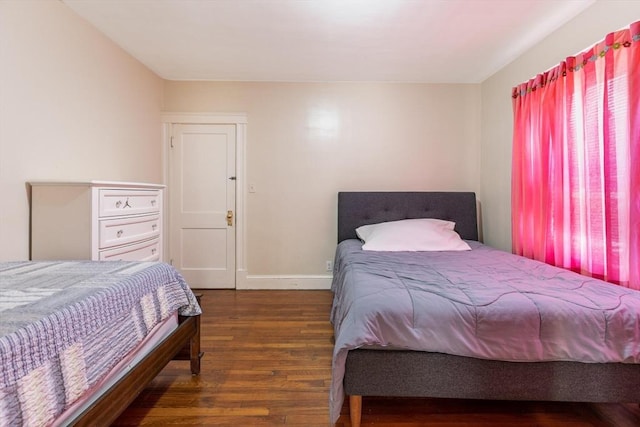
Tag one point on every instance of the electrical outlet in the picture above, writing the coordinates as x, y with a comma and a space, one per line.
329, 266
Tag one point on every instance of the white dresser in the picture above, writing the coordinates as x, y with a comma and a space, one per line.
96, 220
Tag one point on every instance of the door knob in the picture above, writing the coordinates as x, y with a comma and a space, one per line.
229, 218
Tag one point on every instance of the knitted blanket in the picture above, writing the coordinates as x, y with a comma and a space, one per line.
65, 324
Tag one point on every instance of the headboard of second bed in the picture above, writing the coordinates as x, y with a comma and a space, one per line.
362, 208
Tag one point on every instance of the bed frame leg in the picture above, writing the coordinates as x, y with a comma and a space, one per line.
195, 354
194, 346
355, 410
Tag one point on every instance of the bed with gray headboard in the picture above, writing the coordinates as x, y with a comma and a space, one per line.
384, 366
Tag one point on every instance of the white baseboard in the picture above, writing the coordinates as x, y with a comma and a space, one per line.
283, 282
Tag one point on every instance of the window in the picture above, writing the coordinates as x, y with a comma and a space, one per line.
576, 154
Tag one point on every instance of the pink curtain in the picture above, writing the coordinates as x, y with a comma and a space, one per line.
576, 162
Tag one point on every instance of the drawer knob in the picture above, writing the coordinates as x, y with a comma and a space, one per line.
153, 251
118, 203
119, 233
153, 202
154, 226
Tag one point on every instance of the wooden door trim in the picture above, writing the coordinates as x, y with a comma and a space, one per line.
205, 118
240, 121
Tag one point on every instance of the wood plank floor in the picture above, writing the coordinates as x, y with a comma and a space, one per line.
267, 362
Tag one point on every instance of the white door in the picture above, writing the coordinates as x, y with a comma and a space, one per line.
202, 198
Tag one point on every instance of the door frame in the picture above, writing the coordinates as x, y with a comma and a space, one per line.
240, 121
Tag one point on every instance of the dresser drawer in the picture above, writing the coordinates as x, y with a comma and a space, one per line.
116, 202
121, 231
145, 251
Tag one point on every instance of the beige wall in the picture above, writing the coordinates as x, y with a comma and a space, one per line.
586, 29
387, 137
73, 106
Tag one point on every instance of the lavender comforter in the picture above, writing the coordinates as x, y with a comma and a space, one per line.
64, 325
482, 303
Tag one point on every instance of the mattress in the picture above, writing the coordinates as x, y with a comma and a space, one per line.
482, 303
66, 324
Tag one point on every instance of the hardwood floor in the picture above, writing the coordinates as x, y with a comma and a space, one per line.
267, 362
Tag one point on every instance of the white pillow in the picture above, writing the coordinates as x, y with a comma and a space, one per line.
424, 234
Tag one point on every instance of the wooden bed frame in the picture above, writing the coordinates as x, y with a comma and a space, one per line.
405, 373
182, 344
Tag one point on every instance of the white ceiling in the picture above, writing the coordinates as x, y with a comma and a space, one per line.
433, 41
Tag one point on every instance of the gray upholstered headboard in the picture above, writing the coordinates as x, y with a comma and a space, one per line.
361, 208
